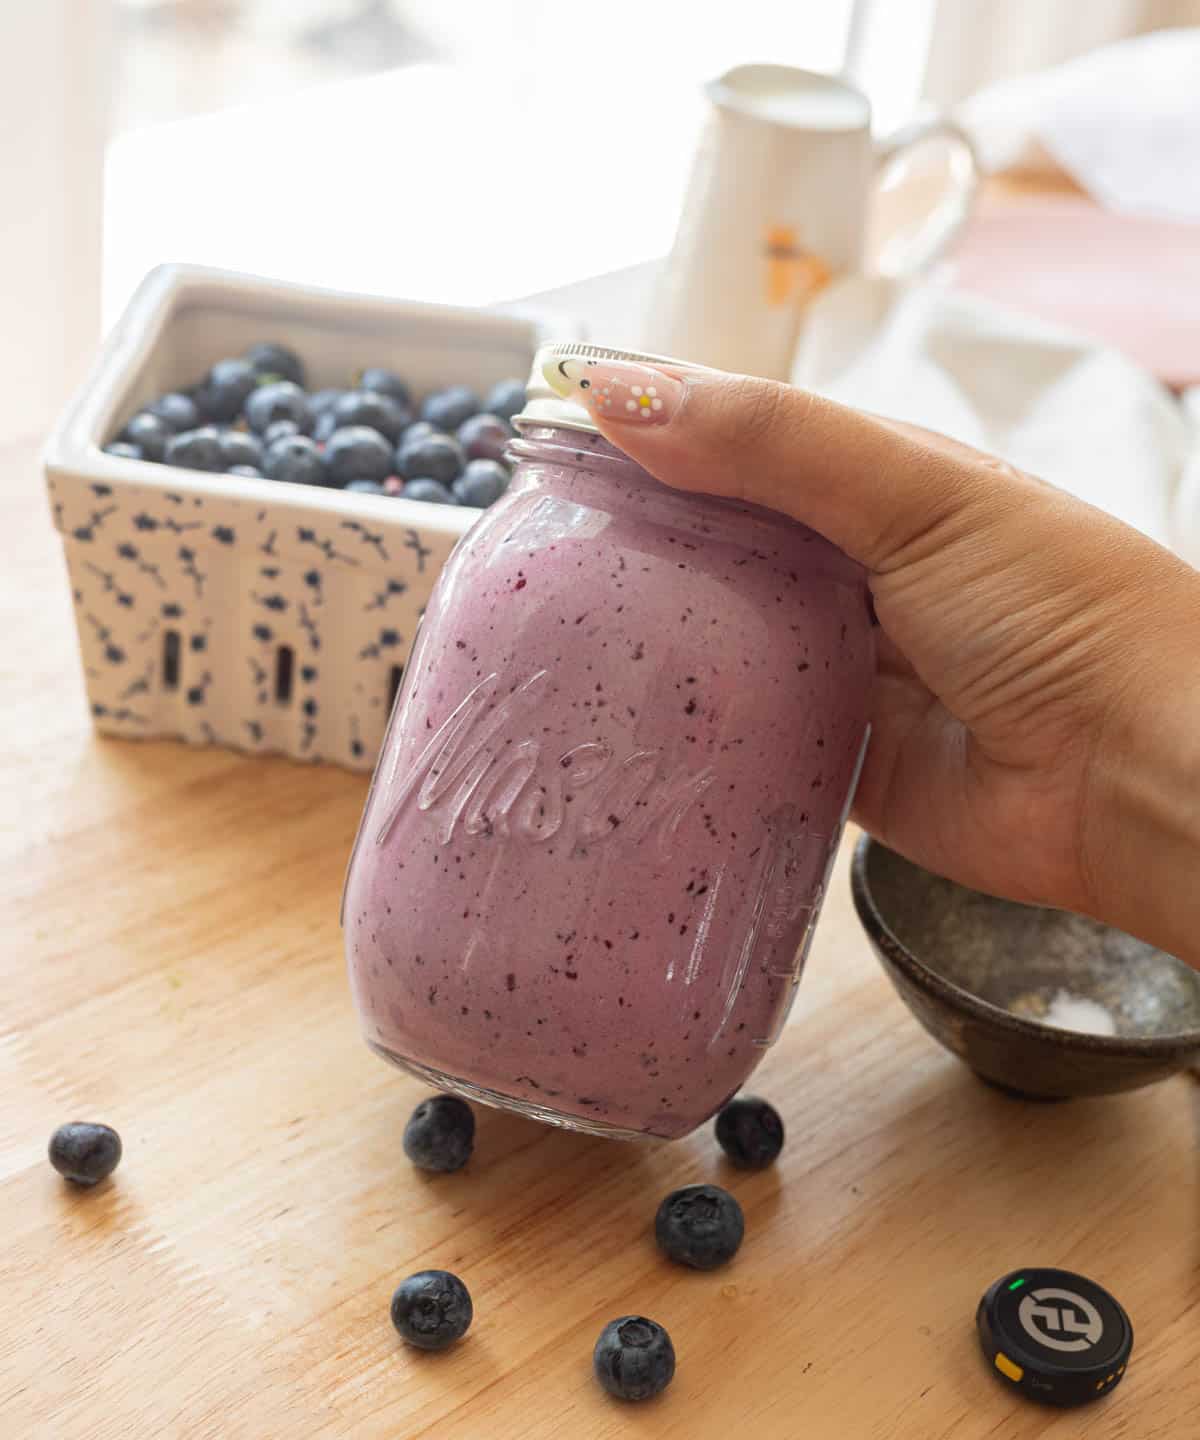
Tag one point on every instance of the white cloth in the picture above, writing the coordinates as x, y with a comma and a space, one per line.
973, 43
1076, 413
1123, 122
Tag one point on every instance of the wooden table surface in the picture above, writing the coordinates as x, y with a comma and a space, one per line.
171, 964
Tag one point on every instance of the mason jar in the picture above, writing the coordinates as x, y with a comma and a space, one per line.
617, 770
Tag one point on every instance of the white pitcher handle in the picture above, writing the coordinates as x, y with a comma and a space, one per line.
916, 248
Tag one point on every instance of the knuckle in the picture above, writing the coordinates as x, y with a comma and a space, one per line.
756, 409
998, 469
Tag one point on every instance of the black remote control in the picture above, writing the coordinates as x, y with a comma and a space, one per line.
1056, 1336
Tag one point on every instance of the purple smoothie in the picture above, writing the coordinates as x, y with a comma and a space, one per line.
615, 778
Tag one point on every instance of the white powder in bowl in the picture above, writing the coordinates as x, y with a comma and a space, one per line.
1076, 1012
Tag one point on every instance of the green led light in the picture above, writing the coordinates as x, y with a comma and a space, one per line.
1016, 1284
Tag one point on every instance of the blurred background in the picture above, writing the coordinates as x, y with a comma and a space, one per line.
463, 150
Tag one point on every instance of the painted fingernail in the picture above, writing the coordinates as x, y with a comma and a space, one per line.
617, 390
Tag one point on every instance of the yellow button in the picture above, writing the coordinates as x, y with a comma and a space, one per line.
1120, 1370
1099, 1384
1108, 1379
1007, 1367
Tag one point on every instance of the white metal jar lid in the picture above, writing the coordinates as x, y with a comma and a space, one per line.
545, 405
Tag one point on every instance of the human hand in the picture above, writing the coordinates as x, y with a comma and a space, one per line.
1036, 721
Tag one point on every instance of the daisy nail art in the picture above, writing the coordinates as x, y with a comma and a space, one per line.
616, 390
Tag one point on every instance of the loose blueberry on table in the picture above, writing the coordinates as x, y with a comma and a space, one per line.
432, 1309
634, 1358
750, 1132
364, 437
440, 1134
700, 1225
85, 1153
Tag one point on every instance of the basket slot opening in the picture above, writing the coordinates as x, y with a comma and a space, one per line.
170, 659
394, 680
283, 674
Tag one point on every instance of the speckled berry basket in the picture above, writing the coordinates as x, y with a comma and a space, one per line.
255, 613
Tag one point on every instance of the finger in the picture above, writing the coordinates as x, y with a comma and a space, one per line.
874, 488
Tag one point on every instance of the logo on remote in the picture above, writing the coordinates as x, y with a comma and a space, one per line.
1060, 1319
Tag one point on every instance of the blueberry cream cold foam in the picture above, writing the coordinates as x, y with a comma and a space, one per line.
604, 816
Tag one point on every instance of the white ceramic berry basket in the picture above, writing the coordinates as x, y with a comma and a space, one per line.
255, 613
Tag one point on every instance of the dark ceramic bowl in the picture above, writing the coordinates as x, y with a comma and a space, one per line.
977, 972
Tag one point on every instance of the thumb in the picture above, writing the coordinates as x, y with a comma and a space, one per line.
876, 489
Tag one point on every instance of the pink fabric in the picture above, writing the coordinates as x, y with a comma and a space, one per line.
1132, 282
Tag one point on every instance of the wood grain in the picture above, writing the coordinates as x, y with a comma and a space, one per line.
172, 964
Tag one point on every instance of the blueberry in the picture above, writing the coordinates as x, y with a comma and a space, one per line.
247, 472
226, 389
386, 382
238, 448
281, 400
437, 457
700, 1225
440, 1134
296, 458
419, 430
271, 359
433, 492
484, 437
370, 408
196, 449
84, 1152
482, 483
750, 1132
364, 487
357, 452
634, 1358
447, 409
123, 450
278, 430
179, 411
324, 426
432, 1309
506, 399
149, 433
322, 400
